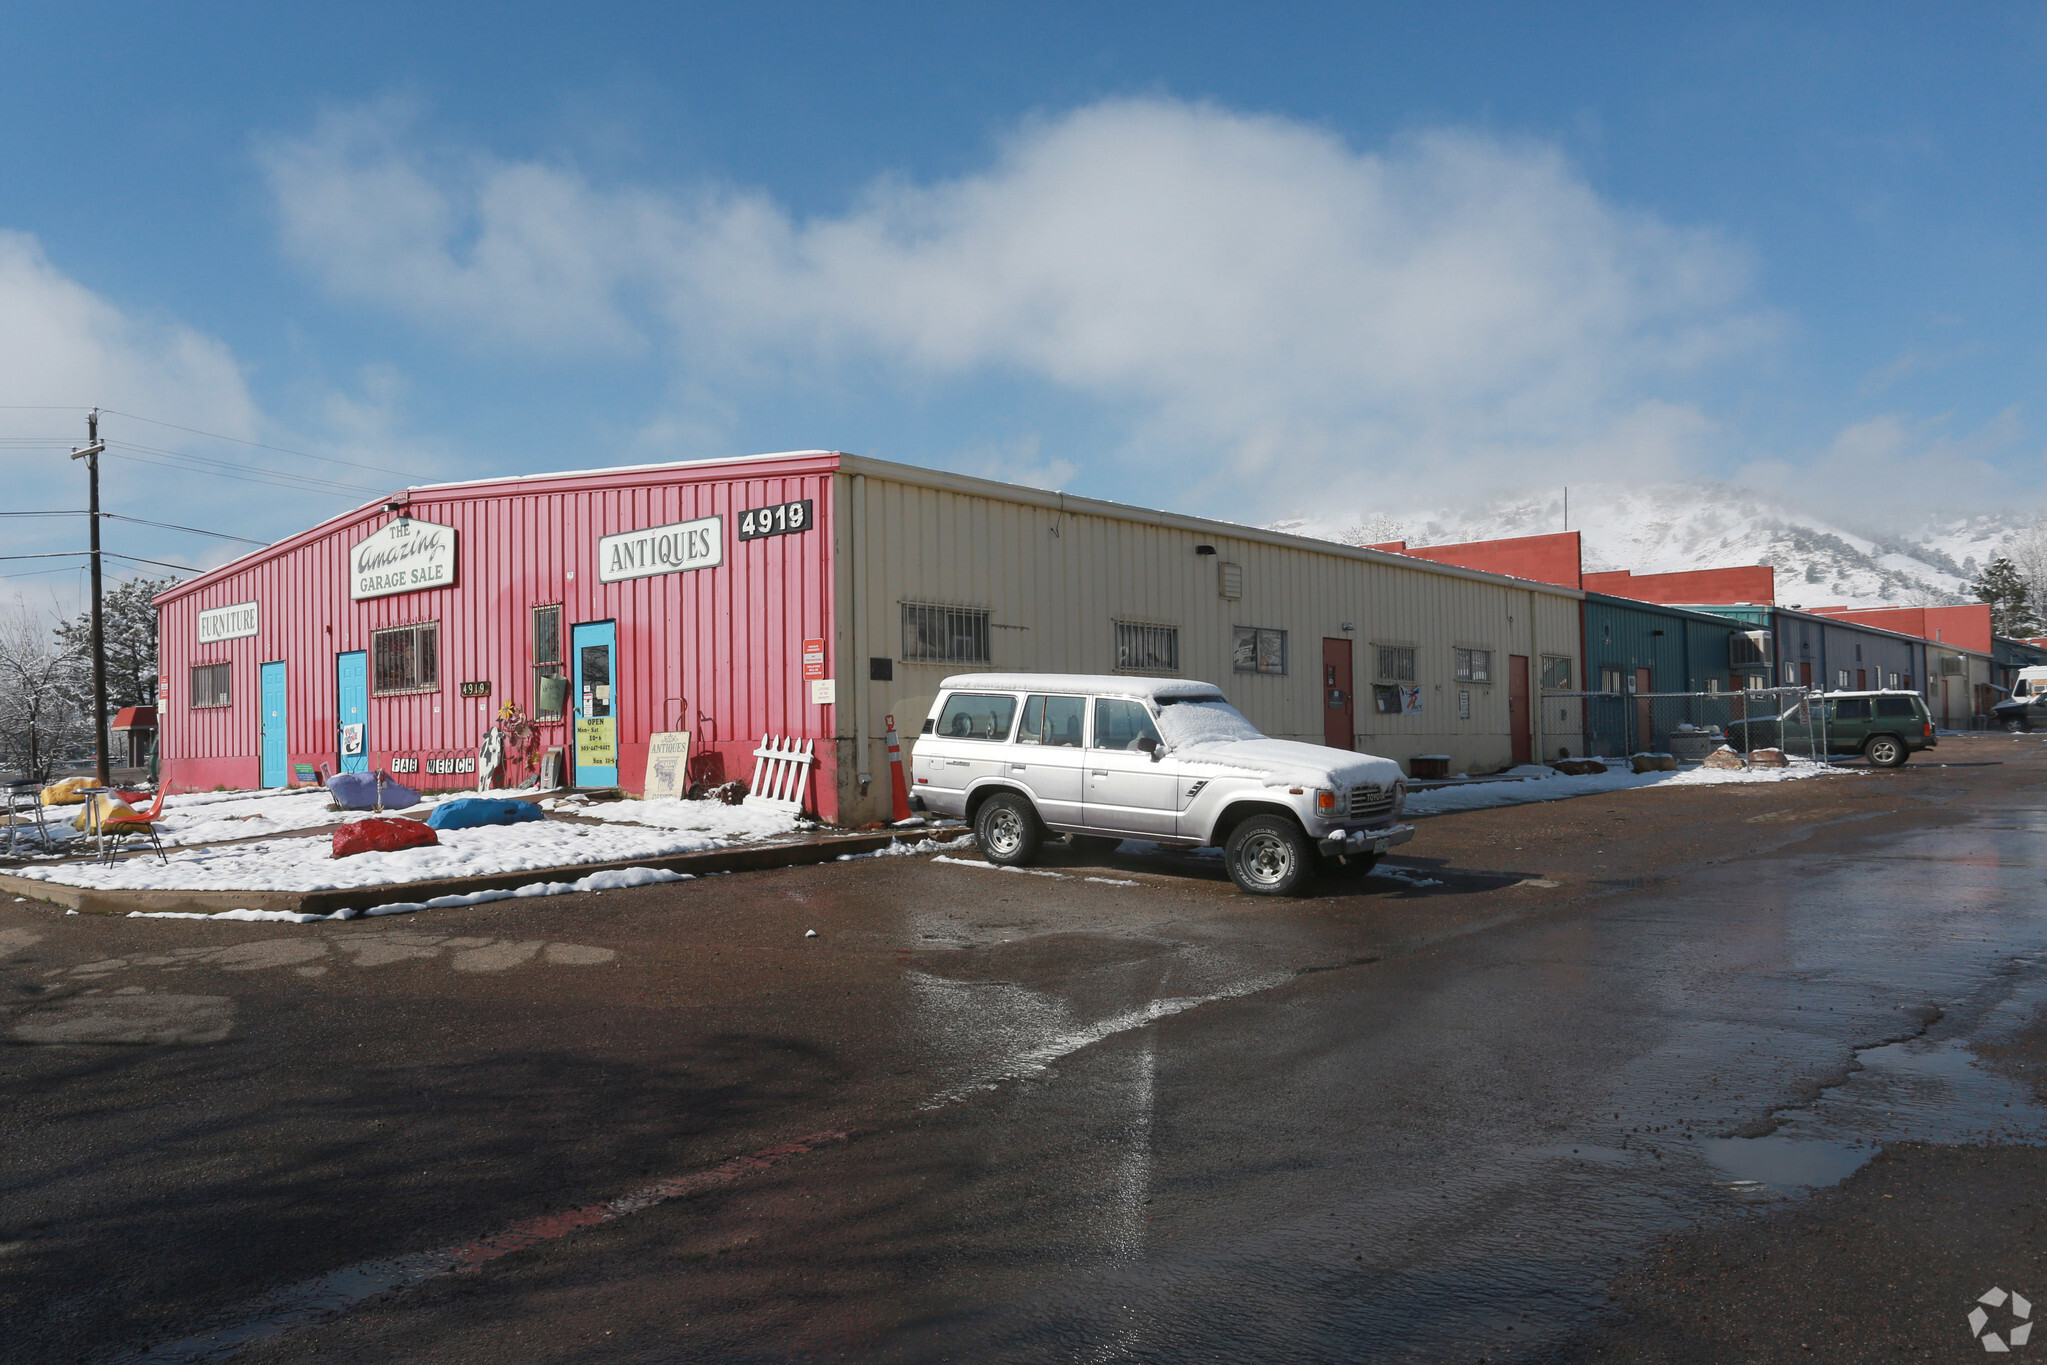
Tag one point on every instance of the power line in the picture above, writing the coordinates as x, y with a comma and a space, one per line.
217, 535
282, 450
141, 521
138, 559
299, 483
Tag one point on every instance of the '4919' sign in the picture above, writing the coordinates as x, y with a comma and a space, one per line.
780, 519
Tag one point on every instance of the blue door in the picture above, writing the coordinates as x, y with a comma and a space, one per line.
594, 706
276, 770
352, 687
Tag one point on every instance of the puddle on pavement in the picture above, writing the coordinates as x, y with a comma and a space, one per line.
1918, 1090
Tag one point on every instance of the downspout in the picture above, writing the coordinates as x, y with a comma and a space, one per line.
856, 586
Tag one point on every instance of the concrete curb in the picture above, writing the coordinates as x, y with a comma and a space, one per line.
743, 858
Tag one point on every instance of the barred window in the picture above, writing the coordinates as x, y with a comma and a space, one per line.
550, 683
1254, 650
944, 635
1556, 673
1396, 662
407, 659
1142, 648
1475, 665
210, 684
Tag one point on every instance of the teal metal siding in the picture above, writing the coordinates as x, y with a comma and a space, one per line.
1681, 649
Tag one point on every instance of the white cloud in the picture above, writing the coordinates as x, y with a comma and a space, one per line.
65, 348
1246, 295
64, 344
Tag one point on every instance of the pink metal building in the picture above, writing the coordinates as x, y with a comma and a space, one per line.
387, 637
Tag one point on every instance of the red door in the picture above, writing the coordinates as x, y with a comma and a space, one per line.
1518, 718
1805, 676
1861, 680
1339, 707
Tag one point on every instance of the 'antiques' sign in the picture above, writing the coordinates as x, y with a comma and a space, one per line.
227, 623
667, 765
405, 556
661, 549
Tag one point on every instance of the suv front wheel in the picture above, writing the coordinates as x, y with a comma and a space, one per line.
1886, 751
1269, 855
1008, 830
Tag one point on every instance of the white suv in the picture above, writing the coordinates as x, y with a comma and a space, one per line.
1112, 758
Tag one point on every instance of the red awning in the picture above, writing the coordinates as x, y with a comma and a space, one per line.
134, 718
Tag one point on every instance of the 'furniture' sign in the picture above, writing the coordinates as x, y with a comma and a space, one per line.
228, 623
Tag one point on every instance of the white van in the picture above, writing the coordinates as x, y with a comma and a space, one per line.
1023, 755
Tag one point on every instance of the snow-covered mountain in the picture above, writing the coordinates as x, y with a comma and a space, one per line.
1660, 528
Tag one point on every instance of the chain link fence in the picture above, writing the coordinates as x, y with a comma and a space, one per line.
1689, 725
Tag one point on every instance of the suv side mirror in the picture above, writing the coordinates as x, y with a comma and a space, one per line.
1149, 745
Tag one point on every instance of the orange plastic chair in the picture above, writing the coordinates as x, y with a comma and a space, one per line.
116, 830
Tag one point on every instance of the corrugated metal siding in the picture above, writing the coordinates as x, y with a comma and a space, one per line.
1057, 580
728, 639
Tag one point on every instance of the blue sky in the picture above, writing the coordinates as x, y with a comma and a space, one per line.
1219, 258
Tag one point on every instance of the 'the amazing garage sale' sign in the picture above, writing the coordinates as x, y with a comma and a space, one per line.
405, 556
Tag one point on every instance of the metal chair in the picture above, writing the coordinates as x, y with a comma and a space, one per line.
25, 811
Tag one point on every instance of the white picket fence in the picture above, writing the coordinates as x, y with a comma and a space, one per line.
781, 773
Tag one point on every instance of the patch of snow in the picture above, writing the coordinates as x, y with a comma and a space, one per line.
1215, 734
998, 867
305, 864
613, 879
715, 818
1555, 786
965, 841
211, 817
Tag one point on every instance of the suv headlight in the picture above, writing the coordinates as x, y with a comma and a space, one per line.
1399, 795
1325, 803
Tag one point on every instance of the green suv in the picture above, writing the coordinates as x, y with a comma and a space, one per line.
1885, 726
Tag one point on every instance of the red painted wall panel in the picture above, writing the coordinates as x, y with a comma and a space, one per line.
1965, 627
1755, 583
714, 651
1552, 558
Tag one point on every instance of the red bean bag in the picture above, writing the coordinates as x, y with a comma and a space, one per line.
383, 834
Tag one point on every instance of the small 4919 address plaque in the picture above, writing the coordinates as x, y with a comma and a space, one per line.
781, 519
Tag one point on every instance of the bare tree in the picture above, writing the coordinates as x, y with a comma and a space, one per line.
1377, 529
40, 718
2027, 552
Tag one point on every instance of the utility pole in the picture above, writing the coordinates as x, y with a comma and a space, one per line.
91, 455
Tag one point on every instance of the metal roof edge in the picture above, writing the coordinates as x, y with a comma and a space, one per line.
1068, 502
1949, 646
468, 488
1710, 617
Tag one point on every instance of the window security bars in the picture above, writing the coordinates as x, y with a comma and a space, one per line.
944, 635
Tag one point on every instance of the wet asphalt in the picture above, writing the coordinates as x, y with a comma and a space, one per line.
1549, 1087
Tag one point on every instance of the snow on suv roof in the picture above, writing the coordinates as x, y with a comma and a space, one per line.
1093, 684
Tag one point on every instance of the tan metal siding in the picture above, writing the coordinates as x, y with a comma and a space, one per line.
1056, 580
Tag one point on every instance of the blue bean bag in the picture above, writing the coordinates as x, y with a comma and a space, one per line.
470, 811
368, 791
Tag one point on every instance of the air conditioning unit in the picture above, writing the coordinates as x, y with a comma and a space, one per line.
1953, 663
1749, 649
